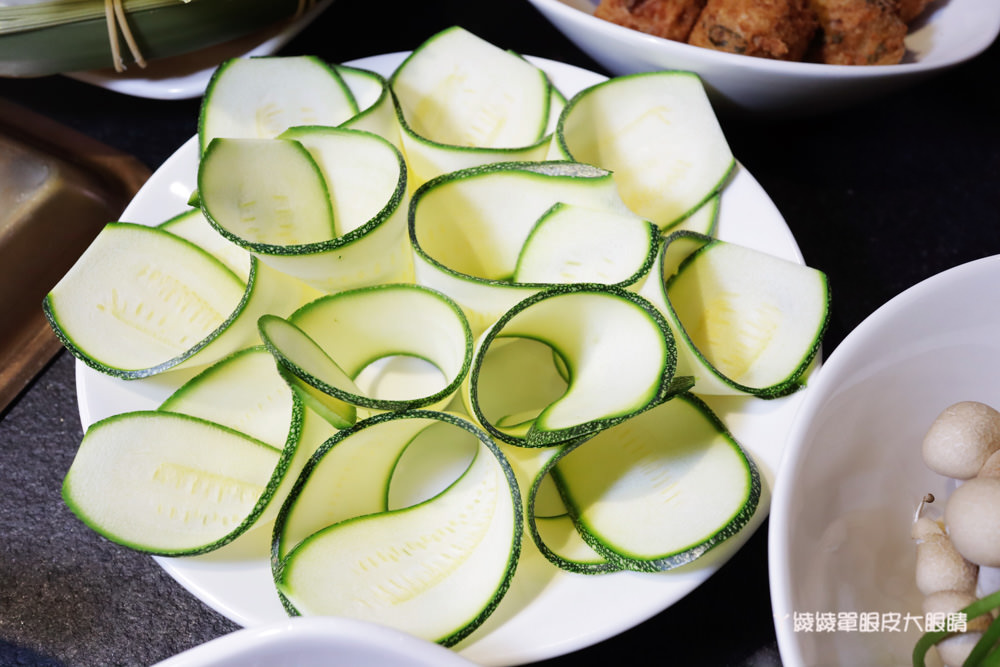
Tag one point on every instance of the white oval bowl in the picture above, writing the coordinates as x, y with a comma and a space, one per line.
948, 33
852, 475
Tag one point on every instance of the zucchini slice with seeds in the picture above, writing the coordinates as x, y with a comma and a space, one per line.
659, 490
262, 96
245, 392
745, 322
619, 358
265, 192
462, 102
169, 484
141, 301
436, 568
657, 132
365, 245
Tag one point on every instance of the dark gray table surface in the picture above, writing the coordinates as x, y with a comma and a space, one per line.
879, 196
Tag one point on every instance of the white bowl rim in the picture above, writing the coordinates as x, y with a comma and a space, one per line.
326, 631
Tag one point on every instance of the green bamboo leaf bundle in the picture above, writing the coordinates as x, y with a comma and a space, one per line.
42, 37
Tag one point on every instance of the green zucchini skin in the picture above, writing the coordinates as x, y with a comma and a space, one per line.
159, 33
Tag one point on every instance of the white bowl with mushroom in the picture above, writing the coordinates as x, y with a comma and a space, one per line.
946, 34
877, 436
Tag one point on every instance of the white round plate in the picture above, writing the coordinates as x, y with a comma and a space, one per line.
547, 612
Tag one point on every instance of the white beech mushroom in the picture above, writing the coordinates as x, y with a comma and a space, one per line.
953, 560
961, 439
972, 516
940, 567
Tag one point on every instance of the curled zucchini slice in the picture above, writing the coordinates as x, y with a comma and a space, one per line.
468, 233
463, 102
434, 559
341, 350
299, 207
655, 492
659, 135
141, 301
745, 322
261, 97
614, 349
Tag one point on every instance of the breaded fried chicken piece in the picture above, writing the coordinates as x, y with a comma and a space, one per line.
670, 19
860, 32
777, 29
909, 10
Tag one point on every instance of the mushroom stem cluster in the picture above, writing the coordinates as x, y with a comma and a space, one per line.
958, 557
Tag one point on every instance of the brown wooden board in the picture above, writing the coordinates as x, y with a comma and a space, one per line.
58, 188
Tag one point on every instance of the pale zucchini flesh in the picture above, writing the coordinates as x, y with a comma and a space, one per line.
661, 489
261, 97
460, 90
576, 244
265, 192
657, 132
436, 569
618, 352
168, 483
141, 300
745, 322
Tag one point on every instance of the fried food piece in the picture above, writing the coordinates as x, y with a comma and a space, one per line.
909, 10
776, 29
670, 19
860, 32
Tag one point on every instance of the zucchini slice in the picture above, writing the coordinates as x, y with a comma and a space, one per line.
617, 352
265, 191
437, 568
342, 350
659, 135
140, 301
262, 96
376, 106
245, 392
169, 484
745, 322
576, 244
467, 231
462, 102
659, 490
333, 224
